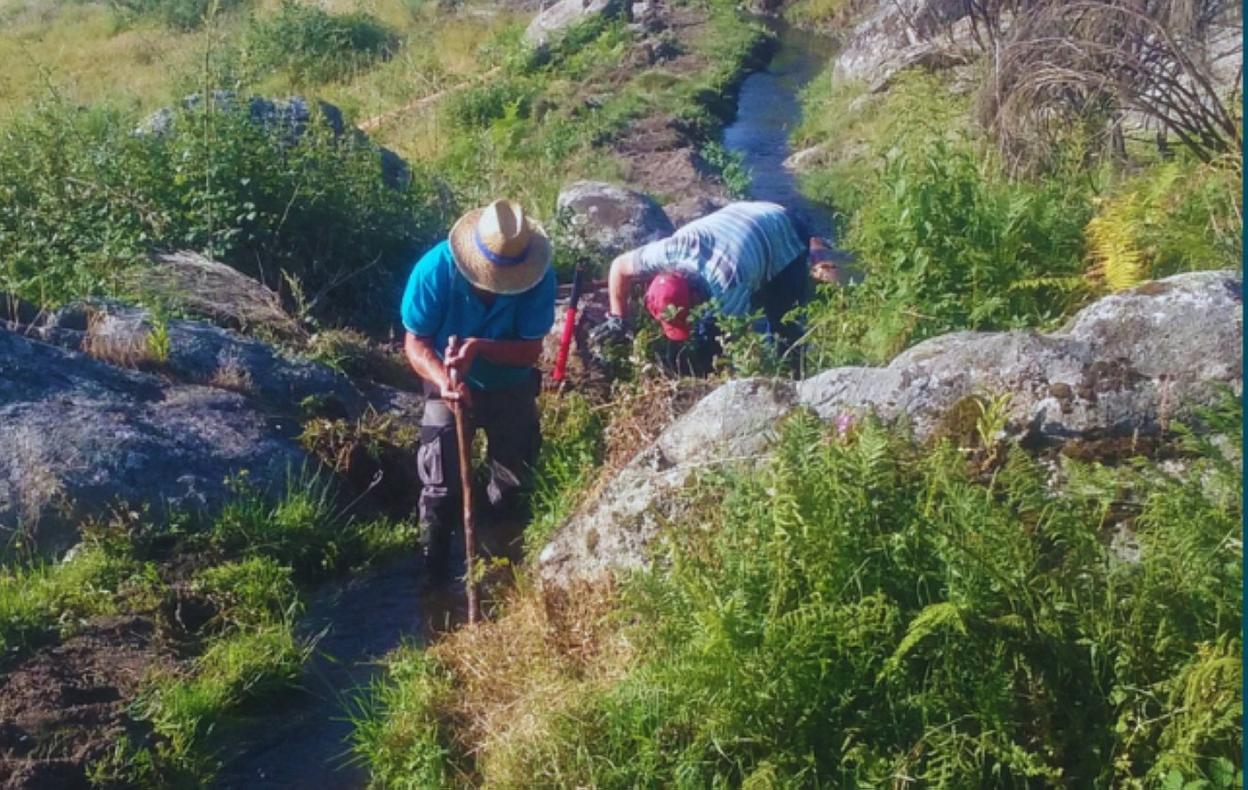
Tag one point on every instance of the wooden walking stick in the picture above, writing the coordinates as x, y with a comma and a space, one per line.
464, 441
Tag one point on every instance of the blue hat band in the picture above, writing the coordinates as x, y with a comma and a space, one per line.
494, 257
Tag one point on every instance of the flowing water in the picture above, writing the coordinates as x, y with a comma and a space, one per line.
767, 110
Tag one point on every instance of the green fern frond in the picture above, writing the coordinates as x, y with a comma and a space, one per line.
1072, 284
944, 616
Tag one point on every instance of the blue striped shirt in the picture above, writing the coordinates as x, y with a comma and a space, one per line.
732, 252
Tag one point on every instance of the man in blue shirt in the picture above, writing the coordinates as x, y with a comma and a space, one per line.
491, 285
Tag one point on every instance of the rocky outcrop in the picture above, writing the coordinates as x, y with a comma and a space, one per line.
81, 436
611, 218
104, 405
734, 423
905, 33
194, 352
553, 20
1131, 362
222, 294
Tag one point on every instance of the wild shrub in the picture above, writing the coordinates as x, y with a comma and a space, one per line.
479, 107
183, 15
315, 46
946, 243
83, 199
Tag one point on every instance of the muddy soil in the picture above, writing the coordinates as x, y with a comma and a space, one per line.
65, 706
655, 154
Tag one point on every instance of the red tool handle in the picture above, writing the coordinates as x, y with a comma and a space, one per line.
569, 329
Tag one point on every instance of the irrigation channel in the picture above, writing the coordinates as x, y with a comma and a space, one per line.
768, 107
302, 740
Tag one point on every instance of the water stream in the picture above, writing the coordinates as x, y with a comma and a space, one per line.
767, 110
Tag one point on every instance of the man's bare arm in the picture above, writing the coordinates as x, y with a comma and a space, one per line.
619, 281
424, 360
518, 353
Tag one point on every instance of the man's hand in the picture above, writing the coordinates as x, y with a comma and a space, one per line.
614, 331
454, 390
461, 357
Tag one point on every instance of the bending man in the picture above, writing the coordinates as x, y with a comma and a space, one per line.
745, 257
491, 285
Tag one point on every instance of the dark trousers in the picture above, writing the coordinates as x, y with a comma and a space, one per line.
787, 290
509, 418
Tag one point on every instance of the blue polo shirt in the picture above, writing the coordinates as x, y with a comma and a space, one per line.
439, 302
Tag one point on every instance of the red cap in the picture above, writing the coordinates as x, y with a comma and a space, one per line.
668, 300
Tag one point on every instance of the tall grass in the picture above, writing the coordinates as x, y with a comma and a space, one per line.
37, 600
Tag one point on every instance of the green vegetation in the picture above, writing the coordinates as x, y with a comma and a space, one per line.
394, 733
182, 15
572, 450
82, 198
314, 46
946, 239
864, 610
242, 667
38, 600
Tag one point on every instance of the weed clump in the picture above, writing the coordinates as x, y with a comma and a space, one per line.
315, 46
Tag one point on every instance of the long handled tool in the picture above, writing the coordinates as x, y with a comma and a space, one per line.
569, 328
463, 436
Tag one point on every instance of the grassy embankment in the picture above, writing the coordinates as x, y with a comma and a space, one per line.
244, 573
864, 611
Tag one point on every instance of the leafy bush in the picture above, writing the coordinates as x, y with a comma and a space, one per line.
863, 611
315, 46
947, 243
479, 107
730, 166
1173, 217
83, 198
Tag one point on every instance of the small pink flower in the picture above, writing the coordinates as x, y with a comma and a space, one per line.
844, 422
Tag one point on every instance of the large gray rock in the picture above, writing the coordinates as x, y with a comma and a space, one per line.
612, 218
1130, 362
553, 20
194, 352
222, 294
900, 34
81, 436
735, 423
101, 405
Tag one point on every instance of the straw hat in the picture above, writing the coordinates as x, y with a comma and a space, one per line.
499, 250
